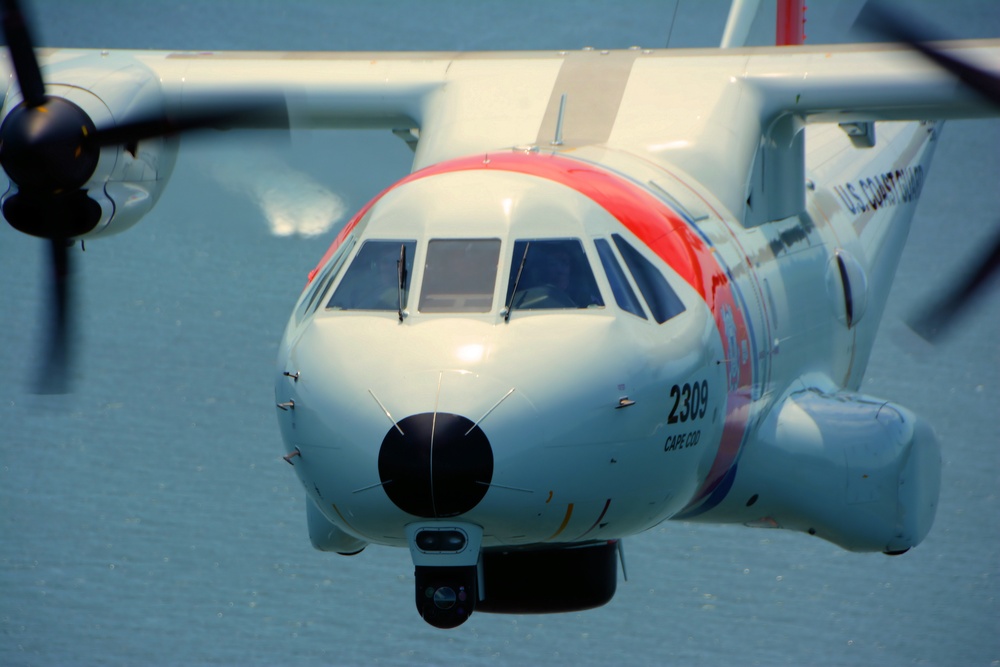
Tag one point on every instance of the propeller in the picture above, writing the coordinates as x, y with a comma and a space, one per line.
50, 148
879, 19
932, 321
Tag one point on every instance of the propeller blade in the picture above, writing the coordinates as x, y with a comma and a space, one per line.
246, 112
62, 217
54, 377
877, 18
22, 53
933, 321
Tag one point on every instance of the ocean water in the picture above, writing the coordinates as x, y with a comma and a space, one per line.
148, 519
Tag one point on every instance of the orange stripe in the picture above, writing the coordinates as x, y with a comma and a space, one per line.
569, 513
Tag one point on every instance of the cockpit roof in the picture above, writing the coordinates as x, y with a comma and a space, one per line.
465, 242
463, 204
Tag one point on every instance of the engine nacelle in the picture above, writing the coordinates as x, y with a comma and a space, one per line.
127, 181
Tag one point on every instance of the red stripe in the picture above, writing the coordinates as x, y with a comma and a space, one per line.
791, 23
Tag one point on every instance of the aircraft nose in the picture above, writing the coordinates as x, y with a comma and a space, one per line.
435, 464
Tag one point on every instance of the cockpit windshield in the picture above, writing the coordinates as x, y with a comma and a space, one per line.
663, 302
551, 273
378, 278
459, 275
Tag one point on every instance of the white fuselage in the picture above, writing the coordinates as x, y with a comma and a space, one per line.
702, 236
583, 407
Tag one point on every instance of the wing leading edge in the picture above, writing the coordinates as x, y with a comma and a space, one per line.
732, 118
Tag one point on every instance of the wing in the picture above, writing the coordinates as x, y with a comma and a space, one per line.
715, 114
719, 115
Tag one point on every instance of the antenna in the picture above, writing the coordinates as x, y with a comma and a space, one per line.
559, 121
673, 20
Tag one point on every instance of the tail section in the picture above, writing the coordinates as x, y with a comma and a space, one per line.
789, 25
869, 197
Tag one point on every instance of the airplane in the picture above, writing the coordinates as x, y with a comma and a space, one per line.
618, 287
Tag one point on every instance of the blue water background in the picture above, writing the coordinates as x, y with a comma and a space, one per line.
148, 518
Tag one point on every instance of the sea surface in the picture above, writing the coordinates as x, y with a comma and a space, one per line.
148, 519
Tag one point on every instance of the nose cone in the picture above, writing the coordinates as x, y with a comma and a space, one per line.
435, 464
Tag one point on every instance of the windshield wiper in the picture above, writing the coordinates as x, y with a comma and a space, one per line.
520, 269
401, 274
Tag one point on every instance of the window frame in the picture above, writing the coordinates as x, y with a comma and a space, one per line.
322, 282
635, 258
429, 256
411, 251
582, 259
622, 277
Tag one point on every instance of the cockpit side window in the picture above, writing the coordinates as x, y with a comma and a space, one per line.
322, 283
624, 295
663, 302
372, 281
551, 273
460, 276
